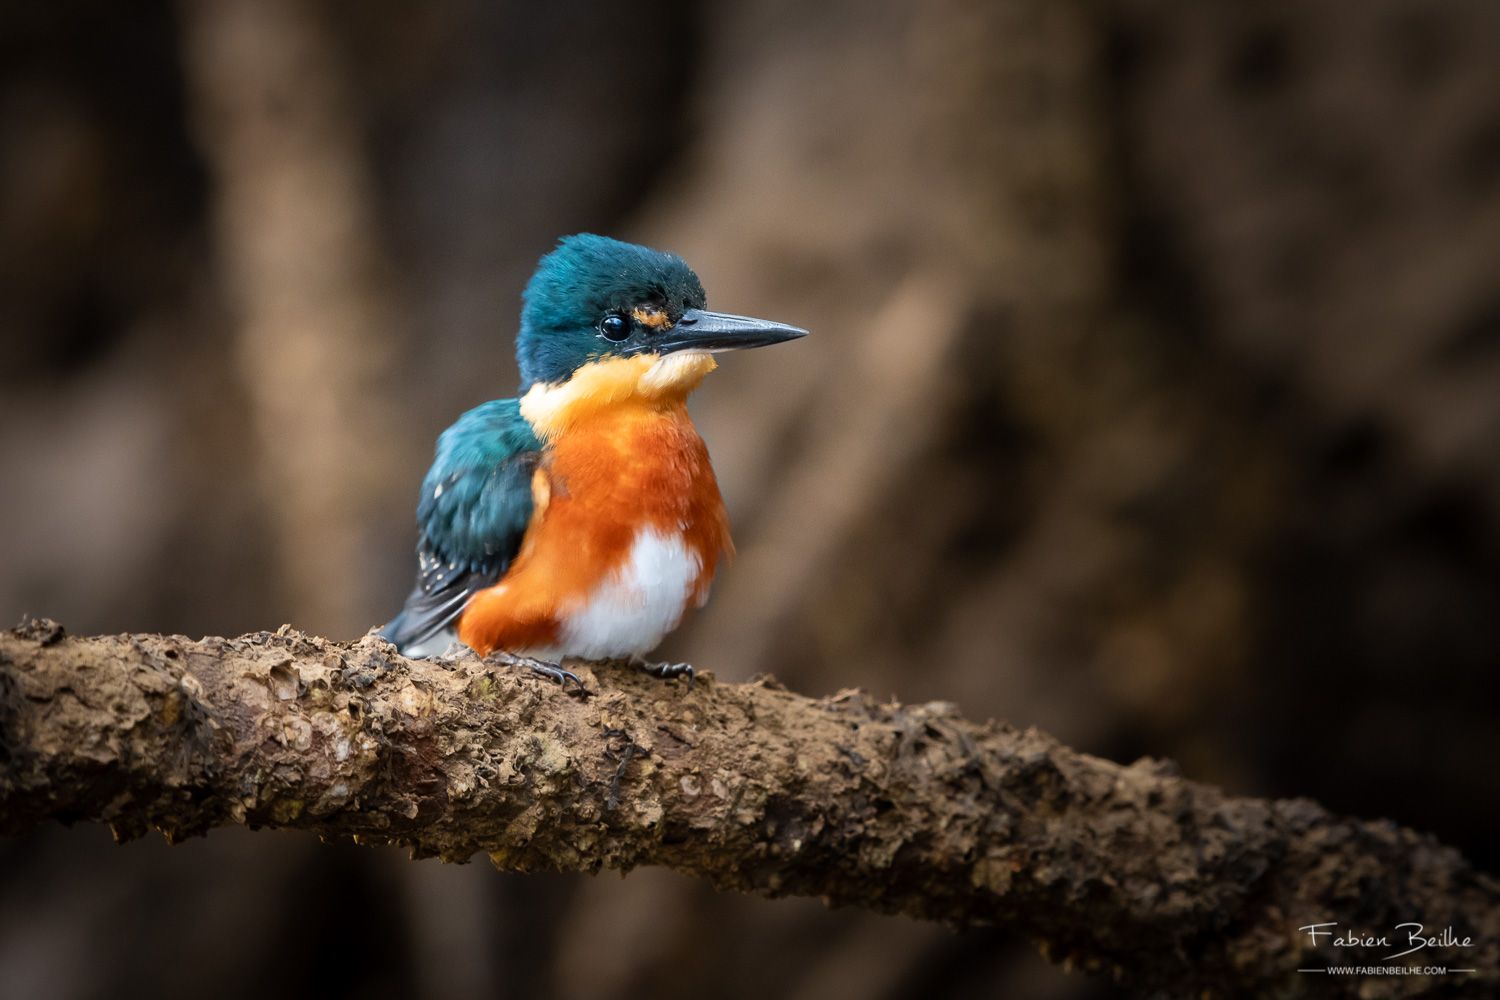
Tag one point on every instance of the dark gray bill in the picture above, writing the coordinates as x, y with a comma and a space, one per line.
701, 330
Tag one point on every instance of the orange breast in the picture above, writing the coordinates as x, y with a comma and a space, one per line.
601, 482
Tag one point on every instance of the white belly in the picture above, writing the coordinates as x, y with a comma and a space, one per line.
631, 611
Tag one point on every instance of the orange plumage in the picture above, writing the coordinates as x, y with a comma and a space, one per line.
621, 456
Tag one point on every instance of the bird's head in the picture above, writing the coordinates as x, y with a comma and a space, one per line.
594, 298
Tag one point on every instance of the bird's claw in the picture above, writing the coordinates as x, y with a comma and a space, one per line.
552, 671
667, 671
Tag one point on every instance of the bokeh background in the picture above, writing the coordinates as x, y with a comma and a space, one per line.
1153, 399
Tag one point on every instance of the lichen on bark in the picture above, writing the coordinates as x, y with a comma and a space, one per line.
1131, 871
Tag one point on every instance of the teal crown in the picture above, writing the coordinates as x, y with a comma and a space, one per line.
578, 286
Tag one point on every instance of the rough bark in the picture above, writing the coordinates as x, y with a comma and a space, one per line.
1132, 871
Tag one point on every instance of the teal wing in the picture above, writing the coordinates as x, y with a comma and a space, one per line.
475, 506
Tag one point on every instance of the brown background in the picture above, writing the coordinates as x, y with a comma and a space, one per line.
1153, 398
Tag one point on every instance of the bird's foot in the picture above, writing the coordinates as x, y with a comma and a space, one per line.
542, 668
665, 671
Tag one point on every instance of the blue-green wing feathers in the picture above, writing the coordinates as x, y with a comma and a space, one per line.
475, 506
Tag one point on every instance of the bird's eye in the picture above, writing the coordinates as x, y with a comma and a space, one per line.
614, 327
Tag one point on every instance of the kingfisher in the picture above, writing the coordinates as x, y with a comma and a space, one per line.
582, 518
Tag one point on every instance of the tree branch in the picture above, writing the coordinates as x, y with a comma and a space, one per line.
1127, 870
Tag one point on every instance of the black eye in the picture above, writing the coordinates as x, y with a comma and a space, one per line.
614, 327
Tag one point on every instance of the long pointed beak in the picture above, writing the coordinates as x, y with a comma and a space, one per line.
701, 330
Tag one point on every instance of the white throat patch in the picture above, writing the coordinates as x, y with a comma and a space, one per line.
553, 407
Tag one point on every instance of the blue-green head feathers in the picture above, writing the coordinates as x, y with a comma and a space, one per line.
579, 305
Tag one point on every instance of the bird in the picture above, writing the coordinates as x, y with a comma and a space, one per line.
582, 518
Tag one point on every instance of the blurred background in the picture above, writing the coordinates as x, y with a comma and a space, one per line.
1153, 399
